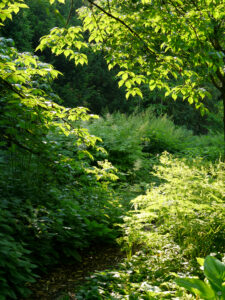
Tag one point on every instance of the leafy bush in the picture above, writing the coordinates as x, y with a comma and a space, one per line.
210, 147
186, 208
162, 135
122, 136
55, 200
126, 138
180, 217
16, 268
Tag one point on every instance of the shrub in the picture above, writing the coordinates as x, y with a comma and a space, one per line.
210, 147
126, 138
54, 200
122, 138
16, 267
187, 207
180, 217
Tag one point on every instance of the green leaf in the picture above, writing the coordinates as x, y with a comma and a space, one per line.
174, 96
197, 287
214, 270
200, 261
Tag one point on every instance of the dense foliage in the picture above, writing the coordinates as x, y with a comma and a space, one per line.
70, 180
52, 198
173, 46
180, 217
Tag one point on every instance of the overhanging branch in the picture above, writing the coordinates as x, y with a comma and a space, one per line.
134, 33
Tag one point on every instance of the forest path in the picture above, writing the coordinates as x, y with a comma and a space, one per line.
61, 281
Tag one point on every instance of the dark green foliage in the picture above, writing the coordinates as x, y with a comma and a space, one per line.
92, 85
56, 189
54, 202
16, 268
184, 114
209, 146
129, 138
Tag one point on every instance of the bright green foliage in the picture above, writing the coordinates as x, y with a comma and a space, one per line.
140, 277
65, 41
81, 85
27, 98
214, 271
186, 208
7, 8
155, 41
180, 217
56, 198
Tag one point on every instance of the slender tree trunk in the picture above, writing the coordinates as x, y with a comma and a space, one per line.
223, 96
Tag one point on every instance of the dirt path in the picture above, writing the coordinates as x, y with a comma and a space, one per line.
63, 279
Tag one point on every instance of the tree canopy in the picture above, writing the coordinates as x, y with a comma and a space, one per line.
172, 45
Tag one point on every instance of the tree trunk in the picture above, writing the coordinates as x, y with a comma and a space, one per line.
223, 96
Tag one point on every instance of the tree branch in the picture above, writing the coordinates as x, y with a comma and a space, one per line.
215, 83
123, 23
70, 13
12, 88
10, 139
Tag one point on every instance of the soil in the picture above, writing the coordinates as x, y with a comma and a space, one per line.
64, 278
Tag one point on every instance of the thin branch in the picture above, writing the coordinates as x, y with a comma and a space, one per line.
216, 84
12, 88
123, 23
70, 13
182, 12
99, 29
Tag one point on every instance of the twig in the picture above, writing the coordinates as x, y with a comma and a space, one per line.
70, 13
123, 23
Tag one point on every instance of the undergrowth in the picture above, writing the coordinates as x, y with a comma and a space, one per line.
130, 139
180, 217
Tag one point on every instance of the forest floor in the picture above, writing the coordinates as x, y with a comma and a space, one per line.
63, 279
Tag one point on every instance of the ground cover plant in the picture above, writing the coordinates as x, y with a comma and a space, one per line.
214, 271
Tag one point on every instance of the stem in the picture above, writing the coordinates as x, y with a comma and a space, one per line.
70, 13
223, 96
